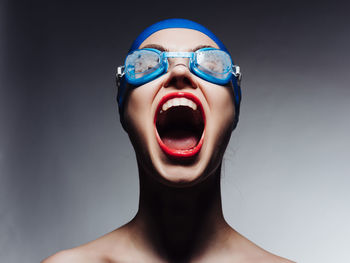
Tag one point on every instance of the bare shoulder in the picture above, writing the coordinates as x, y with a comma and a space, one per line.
112, 247
249, 252
259, 255
263, 257
270, 258
75, 255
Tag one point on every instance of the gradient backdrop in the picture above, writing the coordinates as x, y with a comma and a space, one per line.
67, 170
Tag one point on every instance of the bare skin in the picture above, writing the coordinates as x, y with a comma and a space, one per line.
180, 215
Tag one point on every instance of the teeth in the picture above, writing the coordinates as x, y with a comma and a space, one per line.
179, 102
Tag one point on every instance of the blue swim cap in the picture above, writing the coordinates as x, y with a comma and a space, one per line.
175, 23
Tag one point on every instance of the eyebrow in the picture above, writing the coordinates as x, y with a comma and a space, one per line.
163, 49
200, 47
155, 46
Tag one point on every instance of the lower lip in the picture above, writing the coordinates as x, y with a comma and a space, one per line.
175, 152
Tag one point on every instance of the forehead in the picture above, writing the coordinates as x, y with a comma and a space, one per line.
179, 39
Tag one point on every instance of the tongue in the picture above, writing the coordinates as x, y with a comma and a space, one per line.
179, 140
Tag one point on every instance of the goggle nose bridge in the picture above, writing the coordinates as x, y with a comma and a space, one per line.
166, 55
177, 54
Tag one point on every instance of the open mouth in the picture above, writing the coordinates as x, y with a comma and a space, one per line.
179, 124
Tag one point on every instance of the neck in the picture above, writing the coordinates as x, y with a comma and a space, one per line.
179, 223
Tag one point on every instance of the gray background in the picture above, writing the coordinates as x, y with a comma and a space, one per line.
68, 172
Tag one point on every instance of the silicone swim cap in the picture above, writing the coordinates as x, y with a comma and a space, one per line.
174, 23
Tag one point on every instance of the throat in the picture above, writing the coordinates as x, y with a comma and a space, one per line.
180, 221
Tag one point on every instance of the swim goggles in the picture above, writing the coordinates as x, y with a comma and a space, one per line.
211, 64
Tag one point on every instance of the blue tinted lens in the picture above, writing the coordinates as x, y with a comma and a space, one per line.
213, 65
143, 65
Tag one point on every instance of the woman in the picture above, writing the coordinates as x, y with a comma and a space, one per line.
179, 102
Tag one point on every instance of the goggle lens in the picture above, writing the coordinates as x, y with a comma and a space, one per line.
141, 63
216, 63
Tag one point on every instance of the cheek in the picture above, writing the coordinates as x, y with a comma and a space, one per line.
138, 105
140, 100
138, 117
221, 100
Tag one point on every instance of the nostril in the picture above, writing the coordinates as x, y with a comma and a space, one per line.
179, 81
187, 81
172, 82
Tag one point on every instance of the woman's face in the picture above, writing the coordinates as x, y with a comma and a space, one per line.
179, 124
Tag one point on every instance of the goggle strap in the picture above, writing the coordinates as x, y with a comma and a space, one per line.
120, 71
236, 71
120, 74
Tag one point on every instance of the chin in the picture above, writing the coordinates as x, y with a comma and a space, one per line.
180, 175
182, 172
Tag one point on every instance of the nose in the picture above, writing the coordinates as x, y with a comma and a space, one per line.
180, 77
